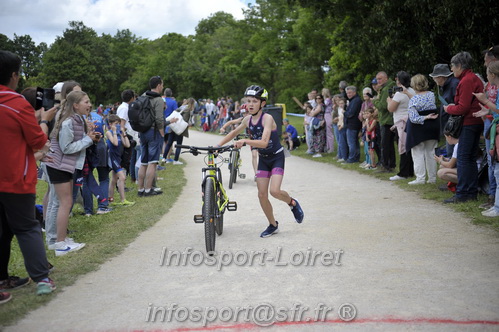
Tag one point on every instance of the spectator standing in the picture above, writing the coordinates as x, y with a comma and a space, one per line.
342, 132
318, 142
71, 136
399, 106
491, 55
210, 112
422, 130
353, 124
385, 119
171, 105
186, 109
493, 78
328, 116
466, 104
151, 141
447, 85
127, 97
21, 138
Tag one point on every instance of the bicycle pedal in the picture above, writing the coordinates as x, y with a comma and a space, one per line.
242, 176
232, 206
198, 219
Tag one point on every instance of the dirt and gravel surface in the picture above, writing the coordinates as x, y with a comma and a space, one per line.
367, 252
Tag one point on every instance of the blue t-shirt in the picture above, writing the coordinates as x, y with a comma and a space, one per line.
292, 131
98, 120
171, 105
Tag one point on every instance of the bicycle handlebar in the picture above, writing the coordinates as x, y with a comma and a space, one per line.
211, 149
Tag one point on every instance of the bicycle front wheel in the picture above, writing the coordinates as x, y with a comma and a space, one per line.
209, 214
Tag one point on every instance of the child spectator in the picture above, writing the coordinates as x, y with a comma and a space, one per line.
291, 136
117, 140
371, 135
448, 167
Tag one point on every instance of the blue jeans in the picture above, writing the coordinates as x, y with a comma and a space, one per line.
467, 171
492, 165
353, 145
100, 190
336, 133
366, 152
342, 144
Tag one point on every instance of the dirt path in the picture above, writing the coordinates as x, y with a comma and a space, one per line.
400, 262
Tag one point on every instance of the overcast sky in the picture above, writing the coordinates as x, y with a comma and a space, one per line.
44, 20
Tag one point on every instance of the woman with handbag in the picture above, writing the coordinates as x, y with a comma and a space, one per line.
178, 136
465, 104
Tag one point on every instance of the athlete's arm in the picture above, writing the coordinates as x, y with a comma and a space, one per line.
230, 136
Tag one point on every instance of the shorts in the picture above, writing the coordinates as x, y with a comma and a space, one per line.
270, 165
115, 164
151, 144
57, 176
371, 145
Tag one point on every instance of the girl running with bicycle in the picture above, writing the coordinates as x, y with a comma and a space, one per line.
264, 137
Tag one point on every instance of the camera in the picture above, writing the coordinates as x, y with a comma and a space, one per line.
45, 98
393, 90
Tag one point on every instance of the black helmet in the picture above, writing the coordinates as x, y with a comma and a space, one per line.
257, 92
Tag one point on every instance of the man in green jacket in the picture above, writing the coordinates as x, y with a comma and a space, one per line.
386, 122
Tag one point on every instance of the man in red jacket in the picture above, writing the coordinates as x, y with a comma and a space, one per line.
21, 136
465, 104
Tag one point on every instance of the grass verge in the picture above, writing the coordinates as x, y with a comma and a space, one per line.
106, 236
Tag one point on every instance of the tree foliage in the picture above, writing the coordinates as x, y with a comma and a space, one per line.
287, 46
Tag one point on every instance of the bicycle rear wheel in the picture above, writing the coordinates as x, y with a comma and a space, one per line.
232, 168
209, 214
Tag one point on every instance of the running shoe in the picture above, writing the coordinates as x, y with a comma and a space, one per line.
13, 283
46, 286
297, 212
271, 230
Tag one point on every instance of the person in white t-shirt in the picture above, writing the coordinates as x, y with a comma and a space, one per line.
398, 104
210, 111
128, 96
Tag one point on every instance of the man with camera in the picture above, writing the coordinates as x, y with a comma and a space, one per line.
22, 136
385, 122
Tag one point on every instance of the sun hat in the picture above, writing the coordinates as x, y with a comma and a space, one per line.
441, 69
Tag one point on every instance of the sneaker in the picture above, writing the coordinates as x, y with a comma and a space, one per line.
103, 210
271, 230
176, 162
110, 199
317, 155
363, 165
5, 297
454, 199
46, 286
396, 178
152, 193
141, 193
297, 211
415, 182
163, 161
490, 203
88, 214
169, 161
156, 189
492, 212
371, 168
13, 283
126, 203
160, 168
62, 248
341, 160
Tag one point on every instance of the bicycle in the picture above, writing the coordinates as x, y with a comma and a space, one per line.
214, 197
235, 163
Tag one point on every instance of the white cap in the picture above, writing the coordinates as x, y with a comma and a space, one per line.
58, 87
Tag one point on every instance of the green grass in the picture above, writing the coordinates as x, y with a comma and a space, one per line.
105, 235
426, 191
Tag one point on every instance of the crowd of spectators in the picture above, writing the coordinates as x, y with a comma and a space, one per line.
72, 140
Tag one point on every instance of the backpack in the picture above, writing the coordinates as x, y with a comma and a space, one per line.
141, 115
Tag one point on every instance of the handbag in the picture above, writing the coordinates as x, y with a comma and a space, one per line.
179, 126
454, 126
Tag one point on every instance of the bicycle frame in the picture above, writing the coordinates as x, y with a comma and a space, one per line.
214, 172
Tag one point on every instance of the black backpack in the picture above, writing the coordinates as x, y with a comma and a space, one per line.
141, 114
